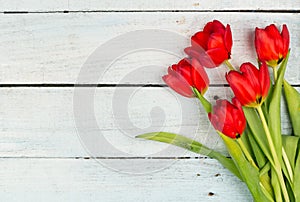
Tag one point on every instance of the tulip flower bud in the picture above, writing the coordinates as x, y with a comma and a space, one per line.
250, 85
185, 75
212, 46
228, 118
271, 46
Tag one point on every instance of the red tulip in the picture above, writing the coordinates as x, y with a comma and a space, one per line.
250, 86
271, 46
212, 46
228, 118
185, 75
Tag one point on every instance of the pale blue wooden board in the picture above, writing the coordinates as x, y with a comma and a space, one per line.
41, 156
88, 180
142, 5
53, 47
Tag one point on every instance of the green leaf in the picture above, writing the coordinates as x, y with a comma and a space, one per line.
191, 145
297, 178
266, 104
206, 105
266, 192
266, 180
276, 185
292, 97
290, 144
274, 118
258, 132
249, 173
258, 153
290, 191
247, 144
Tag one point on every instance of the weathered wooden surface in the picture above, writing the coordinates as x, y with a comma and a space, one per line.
43, 154
52, 48
144, 5
40, 122
88, 180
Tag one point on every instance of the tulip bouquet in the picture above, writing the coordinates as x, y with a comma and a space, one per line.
266, 160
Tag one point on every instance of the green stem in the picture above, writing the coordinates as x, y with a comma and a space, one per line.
205, 103
288, 165
277, 166
275, 73
229, 65
247, 154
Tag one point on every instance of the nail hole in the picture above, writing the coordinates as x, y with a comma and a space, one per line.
216, 97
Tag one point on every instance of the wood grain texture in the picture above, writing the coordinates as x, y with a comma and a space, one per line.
43, 154
88, 180
40, 122
144, 5
53, 48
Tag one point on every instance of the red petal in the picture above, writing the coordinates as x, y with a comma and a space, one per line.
199, 77
193, 53
215, 57
228, 116
236, 103
199, 41
218, 27
208, 28
205, 60
264, 78
178, 83
228, 38
184, 69
265, 47
216, 41
229, 131
239, 121
242, 90
274, 34
286, 40
251, 73
215, 121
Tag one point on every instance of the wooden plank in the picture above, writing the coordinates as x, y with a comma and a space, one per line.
88, 180
136, 5
52, 48
48, 122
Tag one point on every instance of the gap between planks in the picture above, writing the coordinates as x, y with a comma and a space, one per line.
50, 85
150, 11
110, 157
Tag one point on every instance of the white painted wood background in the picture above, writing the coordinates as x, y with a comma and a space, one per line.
44, 44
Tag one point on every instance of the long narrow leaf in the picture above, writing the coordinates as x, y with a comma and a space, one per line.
247, 144
205, 103
297, 178
292, 97
266, 180
274, 120
290, 144
276, 185
258, 153
191, 145
258, 132
249, 173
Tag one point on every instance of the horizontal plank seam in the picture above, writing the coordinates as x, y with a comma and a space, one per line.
151, 11
93, 85
62, 85
104, 158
